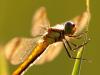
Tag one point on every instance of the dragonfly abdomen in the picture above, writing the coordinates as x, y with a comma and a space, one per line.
37, 51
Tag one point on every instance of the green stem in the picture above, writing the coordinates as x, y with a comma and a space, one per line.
77, 65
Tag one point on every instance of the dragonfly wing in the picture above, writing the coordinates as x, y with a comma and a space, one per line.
50, 53
81, 22
40, 22
18, 49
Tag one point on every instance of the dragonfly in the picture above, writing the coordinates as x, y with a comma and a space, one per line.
46, 41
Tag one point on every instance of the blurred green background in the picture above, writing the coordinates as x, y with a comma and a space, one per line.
15, 20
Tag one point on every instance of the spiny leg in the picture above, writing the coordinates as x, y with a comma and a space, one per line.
79, 46
79, 35
73, 44
86, 40
69, 45
69, 55
84, 43
76, 46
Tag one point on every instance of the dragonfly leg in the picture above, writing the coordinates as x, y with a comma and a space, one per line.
73, 44
69, 45
86, 40
81, 45
76, 46
68, 53
80, 35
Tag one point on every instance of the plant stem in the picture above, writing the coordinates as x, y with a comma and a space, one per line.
77, 65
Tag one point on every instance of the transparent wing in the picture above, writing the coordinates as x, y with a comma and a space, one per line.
40, 22
50, 53
81, 22
18, 49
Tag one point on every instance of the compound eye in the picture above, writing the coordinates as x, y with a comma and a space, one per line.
69, 26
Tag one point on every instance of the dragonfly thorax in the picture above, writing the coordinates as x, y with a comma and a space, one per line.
69, 28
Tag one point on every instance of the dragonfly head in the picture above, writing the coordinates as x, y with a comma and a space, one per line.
69, 28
